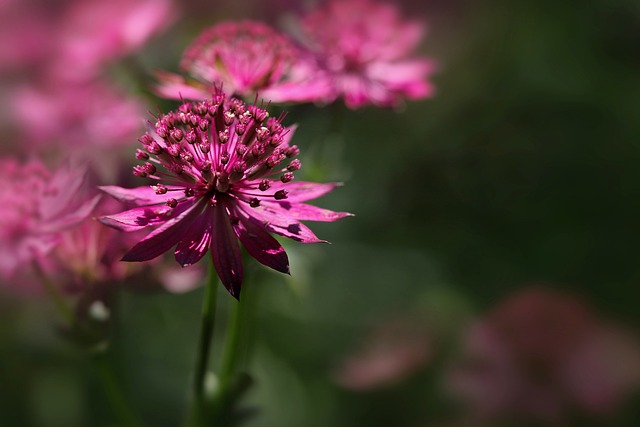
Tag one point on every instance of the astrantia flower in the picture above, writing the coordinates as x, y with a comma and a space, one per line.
79, 116
221, 176
95, 32
247, 58
36, 206
542, 356
364, 46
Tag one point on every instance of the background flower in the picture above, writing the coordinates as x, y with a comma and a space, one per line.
365, 48
247, 59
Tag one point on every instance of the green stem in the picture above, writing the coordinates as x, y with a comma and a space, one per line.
230, 357
207, 324
118, 403
64, 309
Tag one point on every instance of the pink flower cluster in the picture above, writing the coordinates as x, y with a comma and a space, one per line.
54, 62
36, 207
359, 50
540, 356
65, 108
219, 179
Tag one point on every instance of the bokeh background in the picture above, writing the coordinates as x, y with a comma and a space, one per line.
490, 275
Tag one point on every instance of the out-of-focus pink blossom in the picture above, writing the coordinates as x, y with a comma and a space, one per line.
26, 35
95, 32
80, 117
247, 58
89, 253
220, 181
393, 351
542, 355
365, 48
36, 207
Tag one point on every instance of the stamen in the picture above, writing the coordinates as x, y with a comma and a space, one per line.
264, 185
281, 194
287, 177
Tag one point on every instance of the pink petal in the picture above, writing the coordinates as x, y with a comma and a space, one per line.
143, 217
164, 237
408, 77
65, 187
197, 240
174, 86
261, 245
79, 214
225, 252
139, 196
303, 212
314, 91
278, 222
300, 191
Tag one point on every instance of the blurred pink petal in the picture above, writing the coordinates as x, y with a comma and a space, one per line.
392, 352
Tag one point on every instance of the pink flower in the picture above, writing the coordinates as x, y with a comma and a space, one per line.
80, 116
542, 355
219, 179
94, 32
88, 253
364, 47
25, 35
248, 59
36, 206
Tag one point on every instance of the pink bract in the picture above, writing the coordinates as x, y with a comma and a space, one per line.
365, 48
248, 59
36, 206
219, 177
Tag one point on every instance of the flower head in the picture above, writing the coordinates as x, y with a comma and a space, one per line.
544, 355
363, 46
94, 32
36, 206
82, 117
247, 58
220, 176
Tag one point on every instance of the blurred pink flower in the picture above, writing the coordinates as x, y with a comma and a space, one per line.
36, 206
542, 354
219, 159
392, 352
364, 46
248, 59
95, 32
26, 29
89, 253
78, 116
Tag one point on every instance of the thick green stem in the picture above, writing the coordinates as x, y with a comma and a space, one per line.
231, 356
113, 391
207, 324
230, 360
